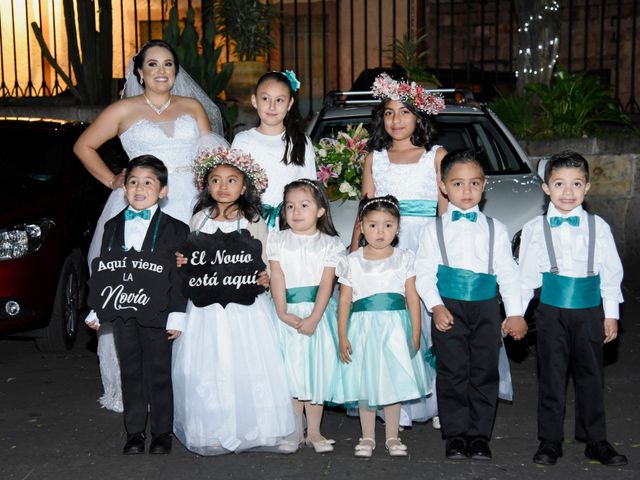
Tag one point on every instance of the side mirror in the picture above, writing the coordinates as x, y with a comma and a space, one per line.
542, 163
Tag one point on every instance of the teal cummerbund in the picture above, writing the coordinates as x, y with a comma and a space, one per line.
302, 294
570, 292
418, 208
461, 284
379, 302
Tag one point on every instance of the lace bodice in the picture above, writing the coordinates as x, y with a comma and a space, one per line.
410, 181
175, 143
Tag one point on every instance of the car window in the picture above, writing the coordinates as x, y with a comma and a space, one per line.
455, 132
31, 155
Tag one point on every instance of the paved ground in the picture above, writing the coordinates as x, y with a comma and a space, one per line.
51, 427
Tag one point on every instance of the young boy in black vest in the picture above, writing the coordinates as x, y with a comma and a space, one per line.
462, 258
144, 346
571, 254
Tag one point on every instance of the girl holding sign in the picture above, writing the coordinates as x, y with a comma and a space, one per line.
303, 256
230, 386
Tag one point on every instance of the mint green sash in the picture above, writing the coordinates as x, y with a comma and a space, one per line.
418, 208
462, 284
302, 294
570, 292
379, 302
270, 214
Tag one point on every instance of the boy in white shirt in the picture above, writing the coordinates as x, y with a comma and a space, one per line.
462, 257
571, 254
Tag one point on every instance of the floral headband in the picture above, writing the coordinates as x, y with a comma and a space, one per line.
209, 158
293, 80
386, 87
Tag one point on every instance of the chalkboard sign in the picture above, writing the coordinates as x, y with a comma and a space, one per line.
129, 284
222, 268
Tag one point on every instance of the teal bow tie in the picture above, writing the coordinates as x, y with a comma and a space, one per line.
574, 221
144, 214
457, 215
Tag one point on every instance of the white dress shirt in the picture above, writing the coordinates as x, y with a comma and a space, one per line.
571, 248
467, 246
135, 230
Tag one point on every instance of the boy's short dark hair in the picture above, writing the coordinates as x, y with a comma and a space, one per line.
454, 158
566, 159
154, 164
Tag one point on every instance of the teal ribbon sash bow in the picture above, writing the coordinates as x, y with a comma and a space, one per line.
379, 302
270, 214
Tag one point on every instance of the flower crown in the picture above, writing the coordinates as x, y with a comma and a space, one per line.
386, 87
209, 158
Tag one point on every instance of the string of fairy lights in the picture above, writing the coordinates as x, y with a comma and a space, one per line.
525, 52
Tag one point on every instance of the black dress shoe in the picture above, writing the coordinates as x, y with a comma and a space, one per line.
161, 444
478, 449
604, 453
548, 453
134, 445
456, 448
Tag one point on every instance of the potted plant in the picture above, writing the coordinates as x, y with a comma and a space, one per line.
408, 53
245, 25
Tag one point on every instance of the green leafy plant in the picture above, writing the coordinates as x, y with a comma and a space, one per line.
574, 105
409, 53
203, 67
517, 112
246, 25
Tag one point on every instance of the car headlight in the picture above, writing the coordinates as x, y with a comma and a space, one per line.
20, 240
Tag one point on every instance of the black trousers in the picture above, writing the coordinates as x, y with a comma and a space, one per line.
570, 340
467, 368
144, 354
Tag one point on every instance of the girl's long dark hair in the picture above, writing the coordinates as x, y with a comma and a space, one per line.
423, 136
324, 223
295, 139
388, 203
248, 203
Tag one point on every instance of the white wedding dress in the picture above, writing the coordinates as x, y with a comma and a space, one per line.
176, 144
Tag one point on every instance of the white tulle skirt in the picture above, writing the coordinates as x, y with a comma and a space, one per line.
229, 382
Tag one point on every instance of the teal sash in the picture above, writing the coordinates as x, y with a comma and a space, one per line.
418, 208
462, 284
570, 292
302, 294
270, 215
379, 302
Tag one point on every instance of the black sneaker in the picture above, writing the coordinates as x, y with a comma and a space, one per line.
548, 453
604, 453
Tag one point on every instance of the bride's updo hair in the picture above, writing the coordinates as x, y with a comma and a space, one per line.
138, 59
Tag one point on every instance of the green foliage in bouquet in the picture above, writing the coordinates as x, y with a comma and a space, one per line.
340, 162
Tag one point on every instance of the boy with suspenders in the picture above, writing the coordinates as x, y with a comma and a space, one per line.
462, 258
571, 254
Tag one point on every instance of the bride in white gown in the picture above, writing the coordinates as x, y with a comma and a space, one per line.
163, 113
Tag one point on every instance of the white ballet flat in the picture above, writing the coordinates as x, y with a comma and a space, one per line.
365, 447
395, 447
435, 422
321, 446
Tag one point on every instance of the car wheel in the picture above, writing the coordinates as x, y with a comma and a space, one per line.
60, 334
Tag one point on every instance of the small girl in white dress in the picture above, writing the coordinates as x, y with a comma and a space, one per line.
379, 326
303, 256
229, 381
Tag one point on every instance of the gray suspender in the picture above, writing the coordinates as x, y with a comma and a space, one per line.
443, 250
591, 223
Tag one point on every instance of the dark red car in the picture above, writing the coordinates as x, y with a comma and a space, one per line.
49, 207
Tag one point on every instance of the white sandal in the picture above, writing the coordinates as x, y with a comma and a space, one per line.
395, 447
365, 447
324, 445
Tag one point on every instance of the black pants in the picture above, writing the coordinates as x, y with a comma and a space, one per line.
570, 339
144, 354
467, 368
